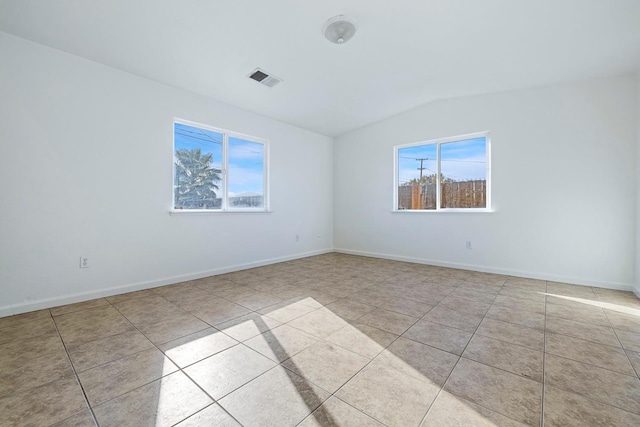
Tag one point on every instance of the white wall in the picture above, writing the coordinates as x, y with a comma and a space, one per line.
564, 185
86, 169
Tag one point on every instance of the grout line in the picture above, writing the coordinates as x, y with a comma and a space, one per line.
84, 394
544, 356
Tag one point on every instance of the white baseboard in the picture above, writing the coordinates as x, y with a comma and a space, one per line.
10, 310
495, 270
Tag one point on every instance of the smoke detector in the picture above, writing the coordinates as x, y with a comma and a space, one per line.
340, 29
265, 78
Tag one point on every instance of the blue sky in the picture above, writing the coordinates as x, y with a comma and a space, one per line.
461, 160
246, 167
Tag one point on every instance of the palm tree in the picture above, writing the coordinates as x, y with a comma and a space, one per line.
195, 180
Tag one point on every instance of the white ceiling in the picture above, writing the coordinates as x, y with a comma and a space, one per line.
406, 52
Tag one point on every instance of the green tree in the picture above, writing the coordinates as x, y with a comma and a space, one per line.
195, 179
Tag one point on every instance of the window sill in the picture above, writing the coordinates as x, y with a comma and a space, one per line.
217, 212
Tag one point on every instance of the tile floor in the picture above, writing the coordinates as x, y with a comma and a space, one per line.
329, 340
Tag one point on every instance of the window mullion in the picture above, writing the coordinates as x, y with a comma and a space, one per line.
225, 171
438, 177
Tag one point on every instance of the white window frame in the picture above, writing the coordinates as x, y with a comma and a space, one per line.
226, 134
438, 142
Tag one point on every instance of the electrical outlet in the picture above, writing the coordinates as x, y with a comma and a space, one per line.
468, 244
297, 237
319, 237
84, 262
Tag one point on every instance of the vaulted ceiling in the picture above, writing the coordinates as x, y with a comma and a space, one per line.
406, 52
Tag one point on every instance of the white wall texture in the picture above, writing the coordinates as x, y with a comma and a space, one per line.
86, 169
564, 185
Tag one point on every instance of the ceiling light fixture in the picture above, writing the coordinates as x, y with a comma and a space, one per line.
339, 29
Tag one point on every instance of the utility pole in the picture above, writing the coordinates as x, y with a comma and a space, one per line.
421, 168
420, 183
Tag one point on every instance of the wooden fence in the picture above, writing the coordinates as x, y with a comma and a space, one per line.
454, 194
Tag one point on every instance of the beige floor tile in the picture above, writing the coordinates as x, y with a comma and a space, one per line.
148, 308
389, 321
182, 288
531, 285
586, 331
523, 293
418, 360
200, 301
404, 306
115, 378
629, 340
20, 350
256, 300
571, 301
43, 327
623, 321
513, 358
594, 383
634, 357
349, 310
320, 323
44, 405
219, 312
94, 353
287, 310
466, 305
82, 419
129, 295
234, 291
17, 319
519, 317
71, 308
427, 294
248, 326
195, 347
506, 393
326, 365
91, 324
389, 396
509, 332
163, 402
455, 319
312, 298
567, 289
450, 410
224, 372
586, 314
443, 337
603, 356
277, 398
362, 339
280, 343
566, 409
521, 304
213, 415
35, 372
334, 412
477, 292
171, 327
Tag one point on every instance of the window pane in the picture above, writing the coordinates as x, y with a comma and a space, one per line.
463, 165
246, 174
417, 172
198, 168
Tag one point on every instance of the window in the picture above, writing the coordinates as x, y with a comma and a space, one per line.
218, 170
443, 175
